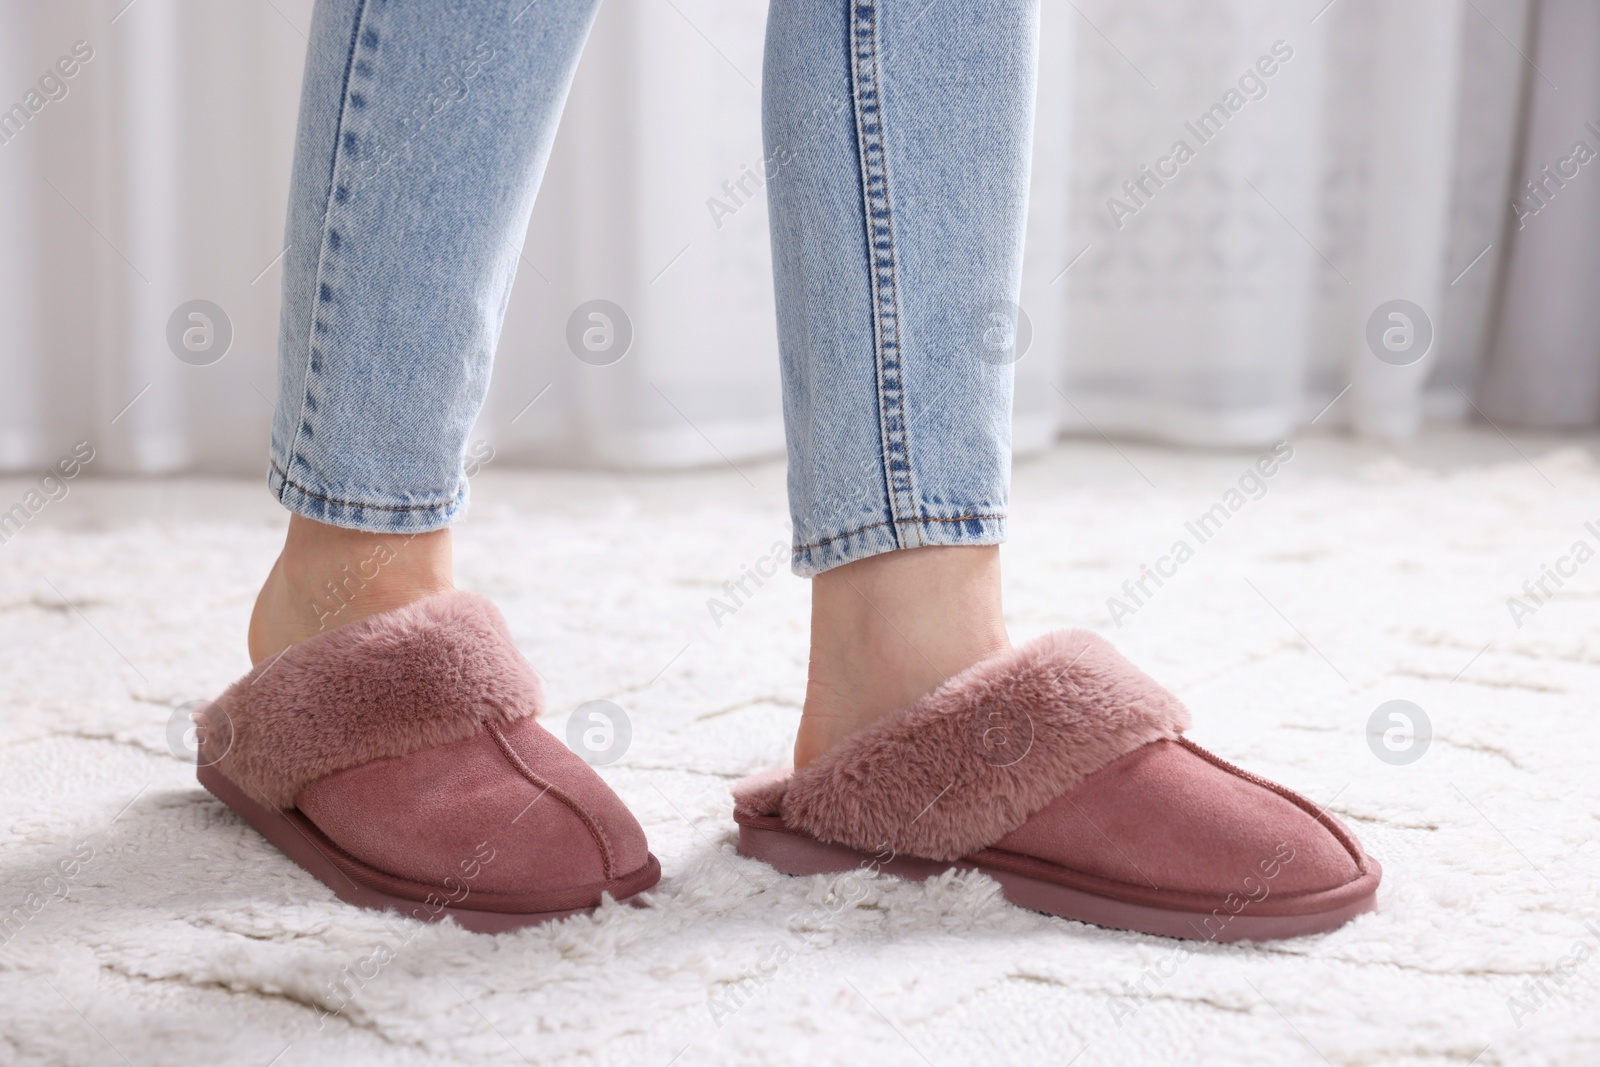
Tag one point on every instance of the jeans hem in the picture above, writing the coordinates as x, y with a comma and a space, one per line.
808, 561
331, 509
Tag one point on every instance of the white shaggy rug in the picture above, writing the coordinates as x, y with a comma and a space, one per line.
178, 936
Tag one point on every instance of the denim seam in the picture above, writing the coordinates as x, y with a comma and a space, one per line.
358, 24
289, 483
888, 357
890, 522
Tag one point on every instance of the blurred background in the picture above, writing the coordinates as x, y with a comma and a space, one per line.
1340, 156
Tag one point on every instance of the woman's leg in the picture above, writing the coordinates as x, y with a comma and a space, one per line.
424, 131
393, 748
901, 132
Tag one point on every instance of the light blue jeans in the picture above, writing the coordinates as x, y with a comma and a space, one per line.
900, 133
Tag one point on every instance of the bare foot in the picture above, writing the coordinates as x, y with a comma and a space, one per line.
891, 627
328, 576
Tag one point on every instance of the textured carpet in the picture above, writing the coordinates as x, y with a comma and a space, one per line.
156, 928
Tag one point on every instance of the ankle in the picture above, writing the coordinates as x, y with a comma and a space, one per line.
889, 628
327, 577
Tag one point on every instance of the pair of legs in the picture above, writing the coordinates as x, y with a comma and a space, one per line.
900, 136
395, 759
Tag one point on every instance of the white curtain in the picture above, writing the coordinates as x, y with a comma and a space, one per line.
158, 178
1229, 306
1544, 365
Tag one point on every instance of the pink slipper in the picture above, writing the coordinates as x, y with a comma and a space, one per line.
1058, 769
398, 759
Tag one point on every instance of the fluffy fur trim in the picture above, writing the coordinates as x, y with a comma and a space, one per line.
969, 762
427, 674
761, 793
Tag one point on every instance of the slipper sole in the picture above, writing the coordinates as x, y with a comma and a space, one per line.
1040, 886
